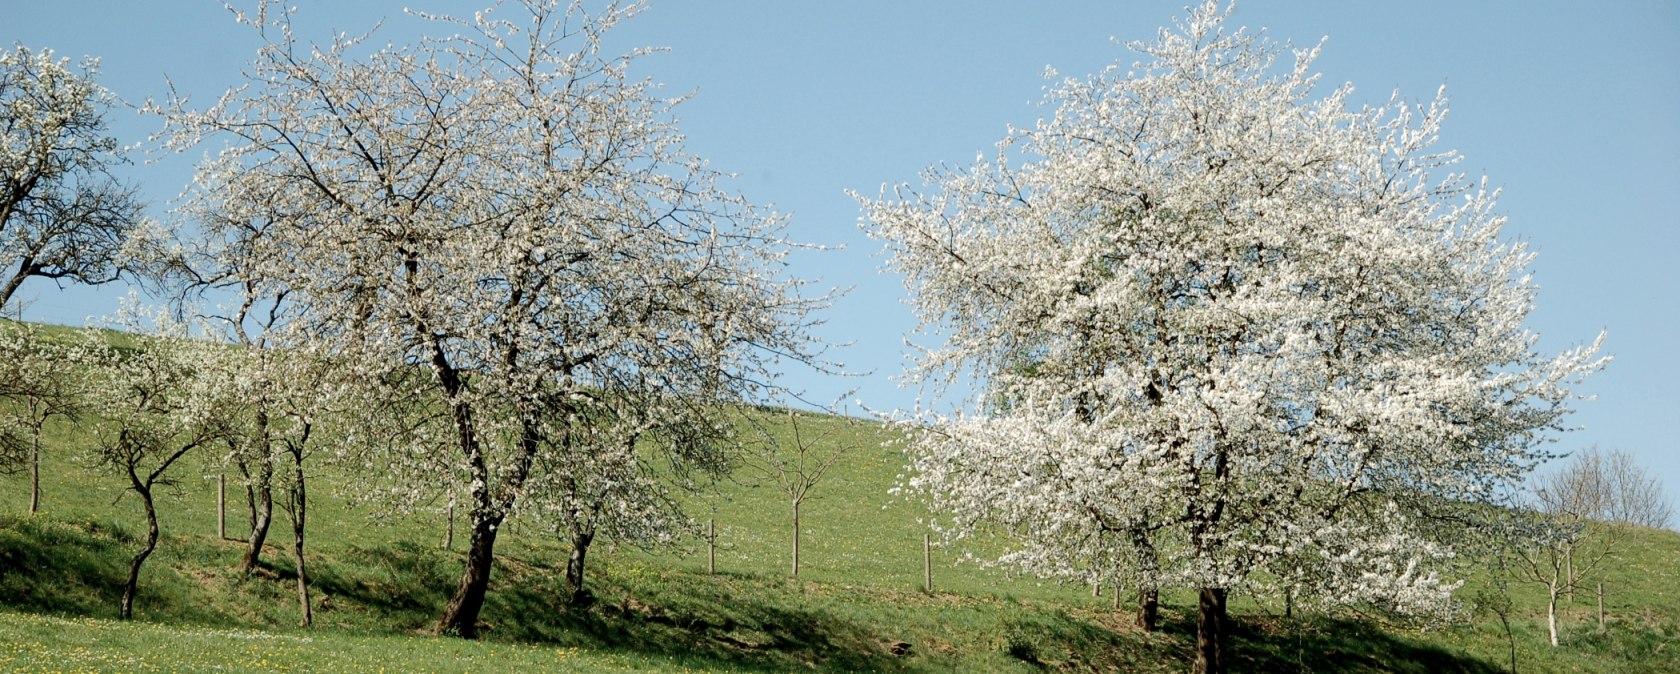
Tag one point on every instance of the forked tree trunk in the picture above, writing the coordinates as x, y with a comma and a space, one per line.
125, 610
460, 615
1211, 632
575, 567
1148, 608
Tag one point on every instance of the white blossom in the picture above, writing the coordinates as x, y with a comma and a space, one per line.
1230, 331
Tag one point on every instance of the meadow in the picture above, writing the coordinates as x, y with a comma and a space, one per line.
857, 605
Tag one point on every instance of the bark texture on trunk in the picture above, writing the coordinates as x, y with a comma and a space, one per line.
1148, 608
460, 615
261, 493
1551, 614
125, 610
300, 504
575, 567
795, 539
1149, 596
1211, 633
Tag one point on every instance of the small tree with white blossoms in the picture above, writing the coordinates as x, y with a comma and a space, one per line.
1211, 306
159, 402
40, 378
502, 233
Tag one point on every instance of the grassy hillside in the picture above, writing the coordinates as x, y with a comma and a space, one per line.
856, 606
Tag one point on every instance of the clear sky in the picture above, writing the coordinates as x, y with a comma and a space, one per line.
1572, 107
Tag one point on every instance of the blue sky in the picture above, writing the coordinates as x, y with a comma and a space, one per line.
1574, 108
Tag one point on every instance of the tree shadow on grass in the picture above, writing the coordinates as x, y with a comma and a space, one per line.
718, 622
49, 566
721, 621
406, 581
1322, 644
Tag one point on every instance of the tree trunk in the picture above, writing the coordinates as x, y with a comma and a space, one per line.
300, 504
16, 280
126, 610
1551, 612
1148, 608
795, 539
1210, 632
261, 493
574, 568
460, 615
449, 523
1149, 596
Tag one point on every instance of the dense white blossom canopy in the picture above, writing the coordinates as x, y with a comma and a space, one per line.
1229, 332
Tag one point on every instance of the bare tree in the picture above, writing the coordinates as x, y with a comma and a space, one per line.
1633, 497
796, 461
1579, 517
62, 214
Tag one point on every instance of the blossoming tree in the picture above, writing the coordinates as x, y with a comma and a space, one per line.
62, 214
1230, 333
502, 232
158, 402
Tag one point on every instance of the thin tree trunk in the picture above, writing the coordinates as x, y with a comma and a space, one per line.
300, 505
1211, 632
1601, 607
125, 610
262, 512
449, 523
1551, 612
460, 615
575, 567
795, 538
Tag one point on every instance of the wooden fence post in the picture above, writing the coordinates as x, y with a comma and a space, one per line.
221, 506
711, 547
927, 562
1601, 606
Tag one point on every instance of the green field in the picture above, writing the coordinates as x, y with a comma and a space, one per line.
857, 605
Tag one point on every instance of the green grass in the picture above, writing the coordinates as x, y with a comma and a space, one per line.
380, 582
